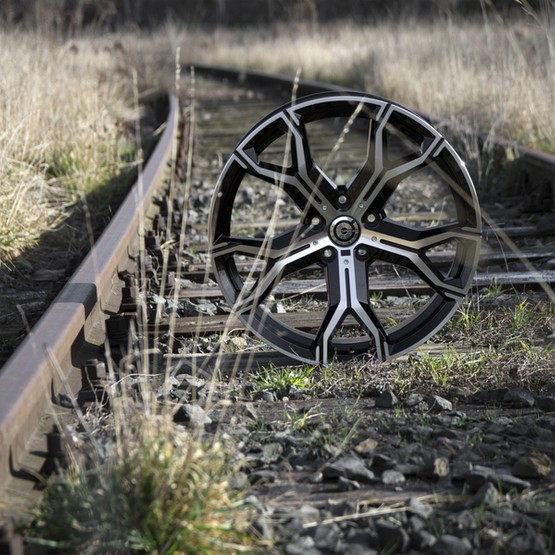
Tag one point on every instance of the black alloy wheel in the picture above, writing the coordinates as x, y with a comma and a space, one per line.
347, 189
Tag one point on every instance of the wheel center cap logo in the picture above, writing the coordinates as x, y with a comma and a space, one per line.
344, 231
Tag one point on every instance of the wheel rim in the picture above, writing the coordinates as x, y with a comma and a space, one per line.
324, 209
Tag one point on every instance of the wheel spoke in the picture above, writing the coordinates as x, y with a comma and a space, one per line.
280, 262
363, 310
377, 180
389, 231
303, 181
407, 247
265, 247
347, 283
374, 163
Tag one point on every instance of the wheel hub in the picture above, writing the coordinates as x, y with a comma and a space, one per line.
344, 231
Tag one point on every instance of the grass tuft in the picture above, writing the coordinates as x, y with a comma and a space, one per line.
64, 131
158, 489
280, 379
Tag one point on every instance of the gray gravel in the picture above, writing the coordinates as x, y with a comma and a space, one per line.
427, 475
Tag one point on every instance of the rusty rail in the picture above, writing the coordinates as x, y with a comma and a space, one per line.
73, 326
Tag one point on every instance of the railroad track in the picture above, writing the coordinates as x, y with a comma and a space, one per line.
151, 273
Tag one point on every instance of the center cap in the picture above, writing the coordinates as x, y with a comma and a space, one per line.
344, 231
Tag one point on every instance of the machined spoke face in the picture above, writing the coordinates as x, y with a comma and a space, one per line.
326, 199
297, 174
409, 248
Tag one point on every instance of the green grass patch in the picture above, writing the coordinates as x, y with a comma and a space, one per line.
154, 488
280, 380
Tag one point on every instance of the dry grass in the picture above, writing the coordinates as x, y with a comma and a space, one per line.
145, 486
493, 75
61, 110
61, 130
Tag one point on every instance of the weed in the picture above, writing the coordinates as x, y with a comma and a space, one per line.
376, 298
462, 421
157, 489
58, 142
469, 316
302, 420
280, 380
474, 437
493, 291
440, 368
523, 317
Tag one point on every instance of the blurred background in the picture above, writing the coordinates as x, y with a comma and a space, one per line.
72, 15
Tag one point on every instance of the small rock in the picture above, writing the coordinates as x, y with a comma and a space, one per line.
307, 513
452, 545
263, 526
194, 382
327, 537
437, 467
528, 543
423, 540
477, 476
392, 478
519, 398
180, 395
488, 397
487, 495
247, 409
421, 509
358, 542
381, 460
366, 448
413, 400
521, 429
351, 467
387, 400
269, 396
271, 452
535, 465
193, 415
316, 478
239, 480
344, 484
415, 523
546, 403
341, 508
488, 538
438, 404
408, 469
391, 537
302, 546
238, 342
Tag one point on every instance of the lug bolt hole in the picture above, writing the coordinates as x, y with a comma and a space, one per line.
371, 218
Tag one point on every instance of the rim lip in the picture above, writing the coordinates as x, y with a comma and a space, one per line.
261, 322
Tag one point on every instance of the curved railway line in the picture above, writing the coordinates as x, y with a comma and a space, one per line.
150, 273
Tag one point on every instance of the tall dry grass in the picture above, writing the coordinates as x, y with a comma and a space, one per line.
145, 486
63, 108
59, 121
489, 74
